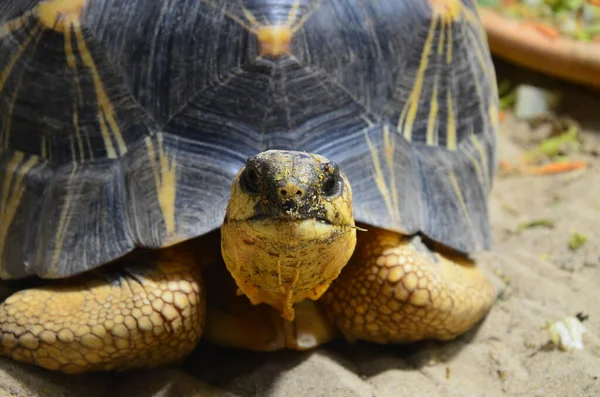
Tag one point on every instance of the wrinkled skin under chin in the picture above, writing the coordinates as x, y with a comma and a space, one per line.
283, 263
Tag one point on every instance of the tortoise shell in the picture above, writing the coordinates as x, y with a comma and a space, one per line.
123, 123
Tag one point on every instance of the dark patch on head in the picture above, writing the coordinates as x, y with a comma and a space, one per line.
290, 185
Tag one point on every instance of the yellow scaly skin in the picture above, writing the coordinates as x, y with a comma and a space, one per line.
391, 288
396, 290
90, 323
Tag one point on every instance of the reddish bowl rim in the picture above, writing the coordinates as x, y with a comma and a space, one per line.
522, 43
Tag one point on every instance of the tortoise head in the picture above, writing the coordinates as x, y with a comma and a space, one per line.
289, 229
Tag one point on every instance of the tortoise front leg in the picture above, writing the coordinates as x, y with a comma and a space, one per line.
396, 290
140, 315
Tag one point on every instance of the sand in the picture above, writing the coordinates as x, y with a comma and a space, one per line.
508, 354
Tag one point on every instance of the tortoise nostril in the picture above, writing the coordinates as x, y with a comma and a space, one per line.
291, 192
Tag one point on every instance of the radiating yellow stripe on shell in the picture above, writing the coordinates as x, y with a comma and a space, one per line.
293, 14
389, 144
9, 116
13, 60
105, 108
451, 129
493, 113
165, 179
168, 189
461, 200
72, 63
480, 57
475, 21
407, 117
483, 159
64, 221
477, 83
476, 164
305, 17
379, 177
432, 121
450, 44
10, 171
441, 39
11, 198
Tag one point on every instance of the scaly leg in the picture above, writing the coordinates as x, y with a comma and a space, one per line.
397, 290
147, 313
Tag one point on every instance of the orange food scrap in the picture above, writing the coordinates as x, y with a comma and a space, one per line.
546, 30
507, 166
555, 168
501, 115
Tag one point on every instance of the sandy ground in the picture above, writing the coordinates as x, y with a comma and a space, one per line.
507, 355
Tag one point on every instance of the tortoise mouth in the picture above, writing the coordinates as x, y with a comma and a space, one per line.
282, 218
288, 233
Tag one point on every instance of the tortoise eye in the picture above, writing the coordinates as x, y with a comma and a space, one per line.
250, 180
332, 185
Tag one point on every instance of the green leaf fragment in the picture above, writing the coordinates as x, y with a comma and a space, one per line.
577, 19
537, 223
573, 4
576, 241
508, 100
488, 3
553, 146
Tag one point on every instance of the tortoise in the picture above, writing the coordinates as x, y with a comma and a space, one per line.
262, 174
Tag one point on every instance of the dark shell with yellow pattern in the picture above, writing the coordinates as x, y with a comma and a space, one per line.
123, 123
